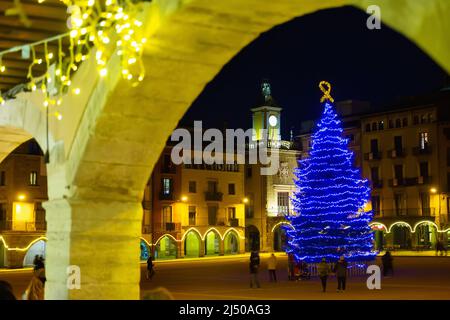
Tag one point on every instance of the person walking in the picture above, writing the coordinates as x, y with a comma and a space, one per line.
440, 248
387, 261
254, 266
272, 267
35, 290
150, 268
340, 269
323, 269
291, 267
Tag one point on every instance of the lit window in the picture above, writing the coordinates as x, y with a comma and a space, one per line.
283, 203
167, 186
423, 140
33, 178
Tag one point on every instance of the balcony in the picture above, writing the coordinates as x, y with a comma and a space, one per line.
31, 226
166, 196
411, 212
213, 196
377, 184
167, 227
396, 153
233, 222
421, 180
397, 182
426, 150
373, 156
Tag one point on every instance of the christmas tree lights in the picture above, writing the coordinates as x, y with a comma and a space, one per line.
329, 219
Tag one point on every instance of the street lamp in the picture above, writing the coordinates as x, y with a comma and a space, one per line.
184, 198
245, 200
21, 197
433, 190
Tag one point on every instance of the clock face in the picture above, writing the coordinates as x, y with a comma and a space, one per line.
273, 120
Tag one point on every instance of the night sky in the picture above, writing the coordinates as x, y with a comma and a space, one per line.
334, 45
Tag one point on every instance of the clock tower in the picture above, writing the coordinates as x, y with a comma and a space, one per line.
267, 115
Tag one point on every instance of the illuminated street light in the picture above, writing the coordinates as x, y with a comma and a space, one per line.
245, 200
184, 198
433, 190
21, 197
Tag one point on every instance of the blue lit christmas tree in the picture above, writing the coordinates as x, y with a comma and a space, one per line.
329, 219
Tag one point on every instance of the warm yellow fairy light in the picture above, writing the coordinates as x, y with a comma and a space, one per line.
91, 26
73, 33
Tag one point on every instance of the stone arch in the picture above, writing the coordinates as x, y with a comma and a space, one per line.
145, 251
166, 247
280, 236
379, 230
37, 248
401, 235
192, 244
212, 242
16, 127
426, 234
231, 242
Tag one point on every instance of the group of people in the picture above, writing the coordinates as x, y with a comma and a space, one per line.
35, 289
297, 270
255, 262
300, 270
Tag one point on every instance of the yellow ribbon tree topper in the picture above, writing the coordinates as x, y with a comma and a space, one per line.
325, 87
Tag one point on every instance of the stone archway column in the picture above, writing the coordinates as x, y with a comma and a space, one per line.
201, 252
93, 229
222, 247
102, 239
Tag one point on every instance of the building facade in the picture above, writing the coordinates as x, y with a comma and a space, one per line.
194, 210
23, 188
405, 154
407, 158
269, 196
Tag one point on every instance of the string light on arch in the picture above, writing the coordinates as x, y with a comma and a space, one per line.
111, 27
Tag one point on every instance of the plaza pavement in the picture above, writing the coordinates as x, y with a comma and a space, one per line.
227, 278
